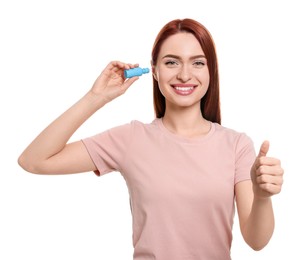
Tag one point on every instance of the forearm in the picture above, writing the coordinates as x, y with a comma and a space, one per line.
54, 138
49, 152
258, 228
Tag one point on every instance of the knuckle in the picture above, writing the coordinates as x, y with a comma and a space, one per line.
266, 186
262, 169
261, 160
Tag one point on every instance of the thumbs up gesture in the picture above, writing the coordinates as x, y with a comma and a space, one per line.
266, 174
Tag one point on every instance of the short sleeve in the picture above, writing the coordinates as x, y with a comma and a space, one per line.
108, 149
245, 156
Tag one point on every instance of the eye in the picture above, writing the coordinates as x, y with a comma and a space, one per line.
171, 63
199, 64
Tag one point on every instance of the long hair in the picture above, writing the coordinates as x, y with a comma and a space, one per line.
210, 103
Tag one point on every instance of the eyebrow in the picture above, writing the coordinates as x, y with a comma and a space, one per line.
179, 58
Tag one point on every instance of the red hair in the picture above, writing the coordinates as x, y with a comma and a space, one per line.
210, 103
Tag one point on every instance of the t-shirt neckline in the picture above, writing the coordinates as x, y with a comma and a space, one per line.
183, 139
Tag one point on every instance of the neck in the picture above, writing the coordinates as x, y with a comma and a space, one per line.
186, 122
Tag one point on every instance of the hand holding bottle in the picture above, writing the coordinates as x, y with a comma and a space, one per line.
112, 83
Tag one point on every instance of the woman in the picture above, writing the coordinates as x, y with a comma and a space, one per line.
184, 171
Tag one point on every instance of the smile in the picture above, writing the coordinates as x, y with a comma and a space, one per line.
184, 89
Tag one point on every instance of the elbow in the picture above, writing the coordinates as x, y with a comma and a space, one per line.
26, 164
257, 243
257, 247
257, 239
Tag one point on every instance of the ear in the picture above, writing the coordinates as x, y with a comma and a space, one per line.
153, 70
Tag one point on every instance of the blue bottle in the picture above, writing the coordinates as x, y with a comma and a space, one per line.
135, 72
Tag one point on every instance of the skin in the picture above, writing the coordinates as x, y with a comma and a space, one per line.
181, 63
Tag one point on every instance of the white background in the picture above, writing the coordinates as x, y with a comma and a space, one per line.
52, 51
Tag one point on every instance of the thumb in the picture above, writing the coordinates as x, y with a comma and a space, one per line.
264, 149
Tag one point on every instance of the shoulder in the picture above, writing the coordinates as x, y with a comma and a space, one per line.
223, 130
137, 125
133, 127
238, 138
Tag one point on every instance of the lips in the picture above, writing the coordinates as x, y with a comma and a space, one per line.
184, 89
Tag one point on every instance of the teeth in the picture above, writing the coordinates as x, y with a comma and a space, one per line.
184, 88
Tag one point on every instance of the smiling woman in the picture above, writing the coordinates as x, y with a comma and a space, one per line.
182, 65
182, 75
184, 170
210, 102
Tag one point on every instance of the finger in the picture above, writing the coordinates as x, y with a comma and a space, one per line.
270, 170
263, 149
128, 83
113, 66
276, 180
131, 66
268, 161
118, 66
271, 188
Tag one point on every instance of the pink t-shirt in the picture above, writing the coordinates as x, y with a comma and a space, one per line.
181, 189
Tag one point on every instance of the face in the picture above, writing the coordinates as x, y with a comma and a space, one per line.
181, 71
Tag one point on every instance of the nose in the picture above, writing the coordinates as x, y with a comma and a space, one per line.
184, 74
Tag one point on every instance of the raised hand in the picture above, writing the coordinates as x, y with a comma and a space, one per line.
266, 174
50, 153
111, 83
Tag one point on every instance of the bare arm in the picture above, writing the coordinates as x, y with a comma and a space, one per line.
253, 199
50, 153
